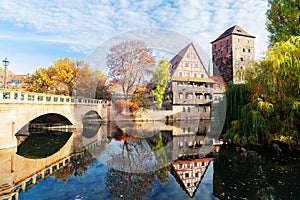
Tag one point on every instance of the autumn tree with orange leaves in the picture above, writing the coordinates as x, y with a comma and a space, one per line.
129, 64
67, 77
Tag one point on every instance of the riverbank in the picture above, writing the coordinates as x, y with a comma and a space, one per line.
273, 149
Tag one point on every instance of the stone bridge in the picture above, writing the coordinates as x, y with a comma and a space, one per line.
18, 108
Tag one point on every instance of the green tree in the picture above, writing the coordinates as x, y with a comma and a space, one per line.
273, 114
283, 20
129, 63
161, 77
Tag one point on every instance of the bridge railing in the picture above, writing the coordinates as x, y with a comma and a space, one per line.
15, 96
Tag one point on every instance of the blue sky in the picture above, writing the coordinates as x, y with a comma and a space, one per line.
34, 33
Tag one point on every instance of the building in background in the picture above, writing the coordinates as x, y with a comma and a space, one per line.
13, 81
190, 88
219, 88
231, 53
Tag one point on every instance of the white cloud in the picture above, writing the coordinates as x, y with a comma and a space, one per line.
83, 25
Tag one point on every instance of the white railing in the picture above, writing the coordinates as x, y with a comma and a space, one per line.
15, 96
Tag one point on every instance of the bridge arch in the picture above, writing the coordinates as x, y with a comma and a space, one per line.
91, 124
49, 119
20, 107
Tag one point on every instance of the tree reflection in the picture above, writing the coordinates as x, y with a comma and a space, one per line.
130, 153
77, 166
157, 145
129, 185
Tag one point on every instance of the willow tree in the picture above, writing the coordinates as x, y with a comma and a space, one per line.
161, 77
129, 63
274, 111
283, 20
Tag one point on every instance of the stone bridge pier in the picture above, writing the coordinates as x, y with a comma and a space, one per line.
18, 108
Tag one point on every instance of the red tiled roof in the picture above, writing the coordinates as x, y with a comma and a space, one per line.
218, 79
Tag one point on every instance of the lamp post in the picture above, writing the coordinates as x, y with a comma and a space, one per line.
5, 64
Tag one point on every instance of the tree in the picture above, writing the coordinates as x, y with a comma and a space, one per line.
129, 63
90, 83
64, 74
161, 77
283, 20
273, 114
64, 77
102, 91
40, 81
139, 99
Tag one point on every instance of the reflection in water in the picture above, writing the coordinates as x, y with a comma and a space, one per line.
186, 169
91, 124
43, 143
77, 167
252, 176
189, 173
129, 185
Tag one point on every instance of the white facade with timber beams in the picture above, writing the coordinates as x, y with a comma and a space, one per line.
190, 88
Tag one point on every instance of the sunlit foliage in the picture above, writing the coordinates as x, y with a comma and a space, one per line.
161, 78
283, 20
65, 77
273, 111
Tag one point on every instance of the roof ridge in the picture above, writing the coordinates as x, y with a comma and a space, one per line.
234, 30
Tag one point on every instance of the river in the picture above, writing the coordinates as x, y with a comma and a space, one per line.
168, 162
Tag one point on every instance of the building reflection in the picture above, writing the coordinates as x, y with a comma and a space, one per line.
194, 148
182, 147
66, 154
189, 173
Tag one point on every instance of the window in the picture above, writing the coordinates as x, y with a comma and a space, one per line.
202, 75
249, 50
186, 175
204, 109
188, 74
189, 96
243, 50
180, 73
195, 75
189, 109
183, 109
238, 40
242, 59
180, 95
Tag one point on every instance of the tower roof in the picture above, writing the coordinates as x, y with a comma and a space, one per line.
234, 30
